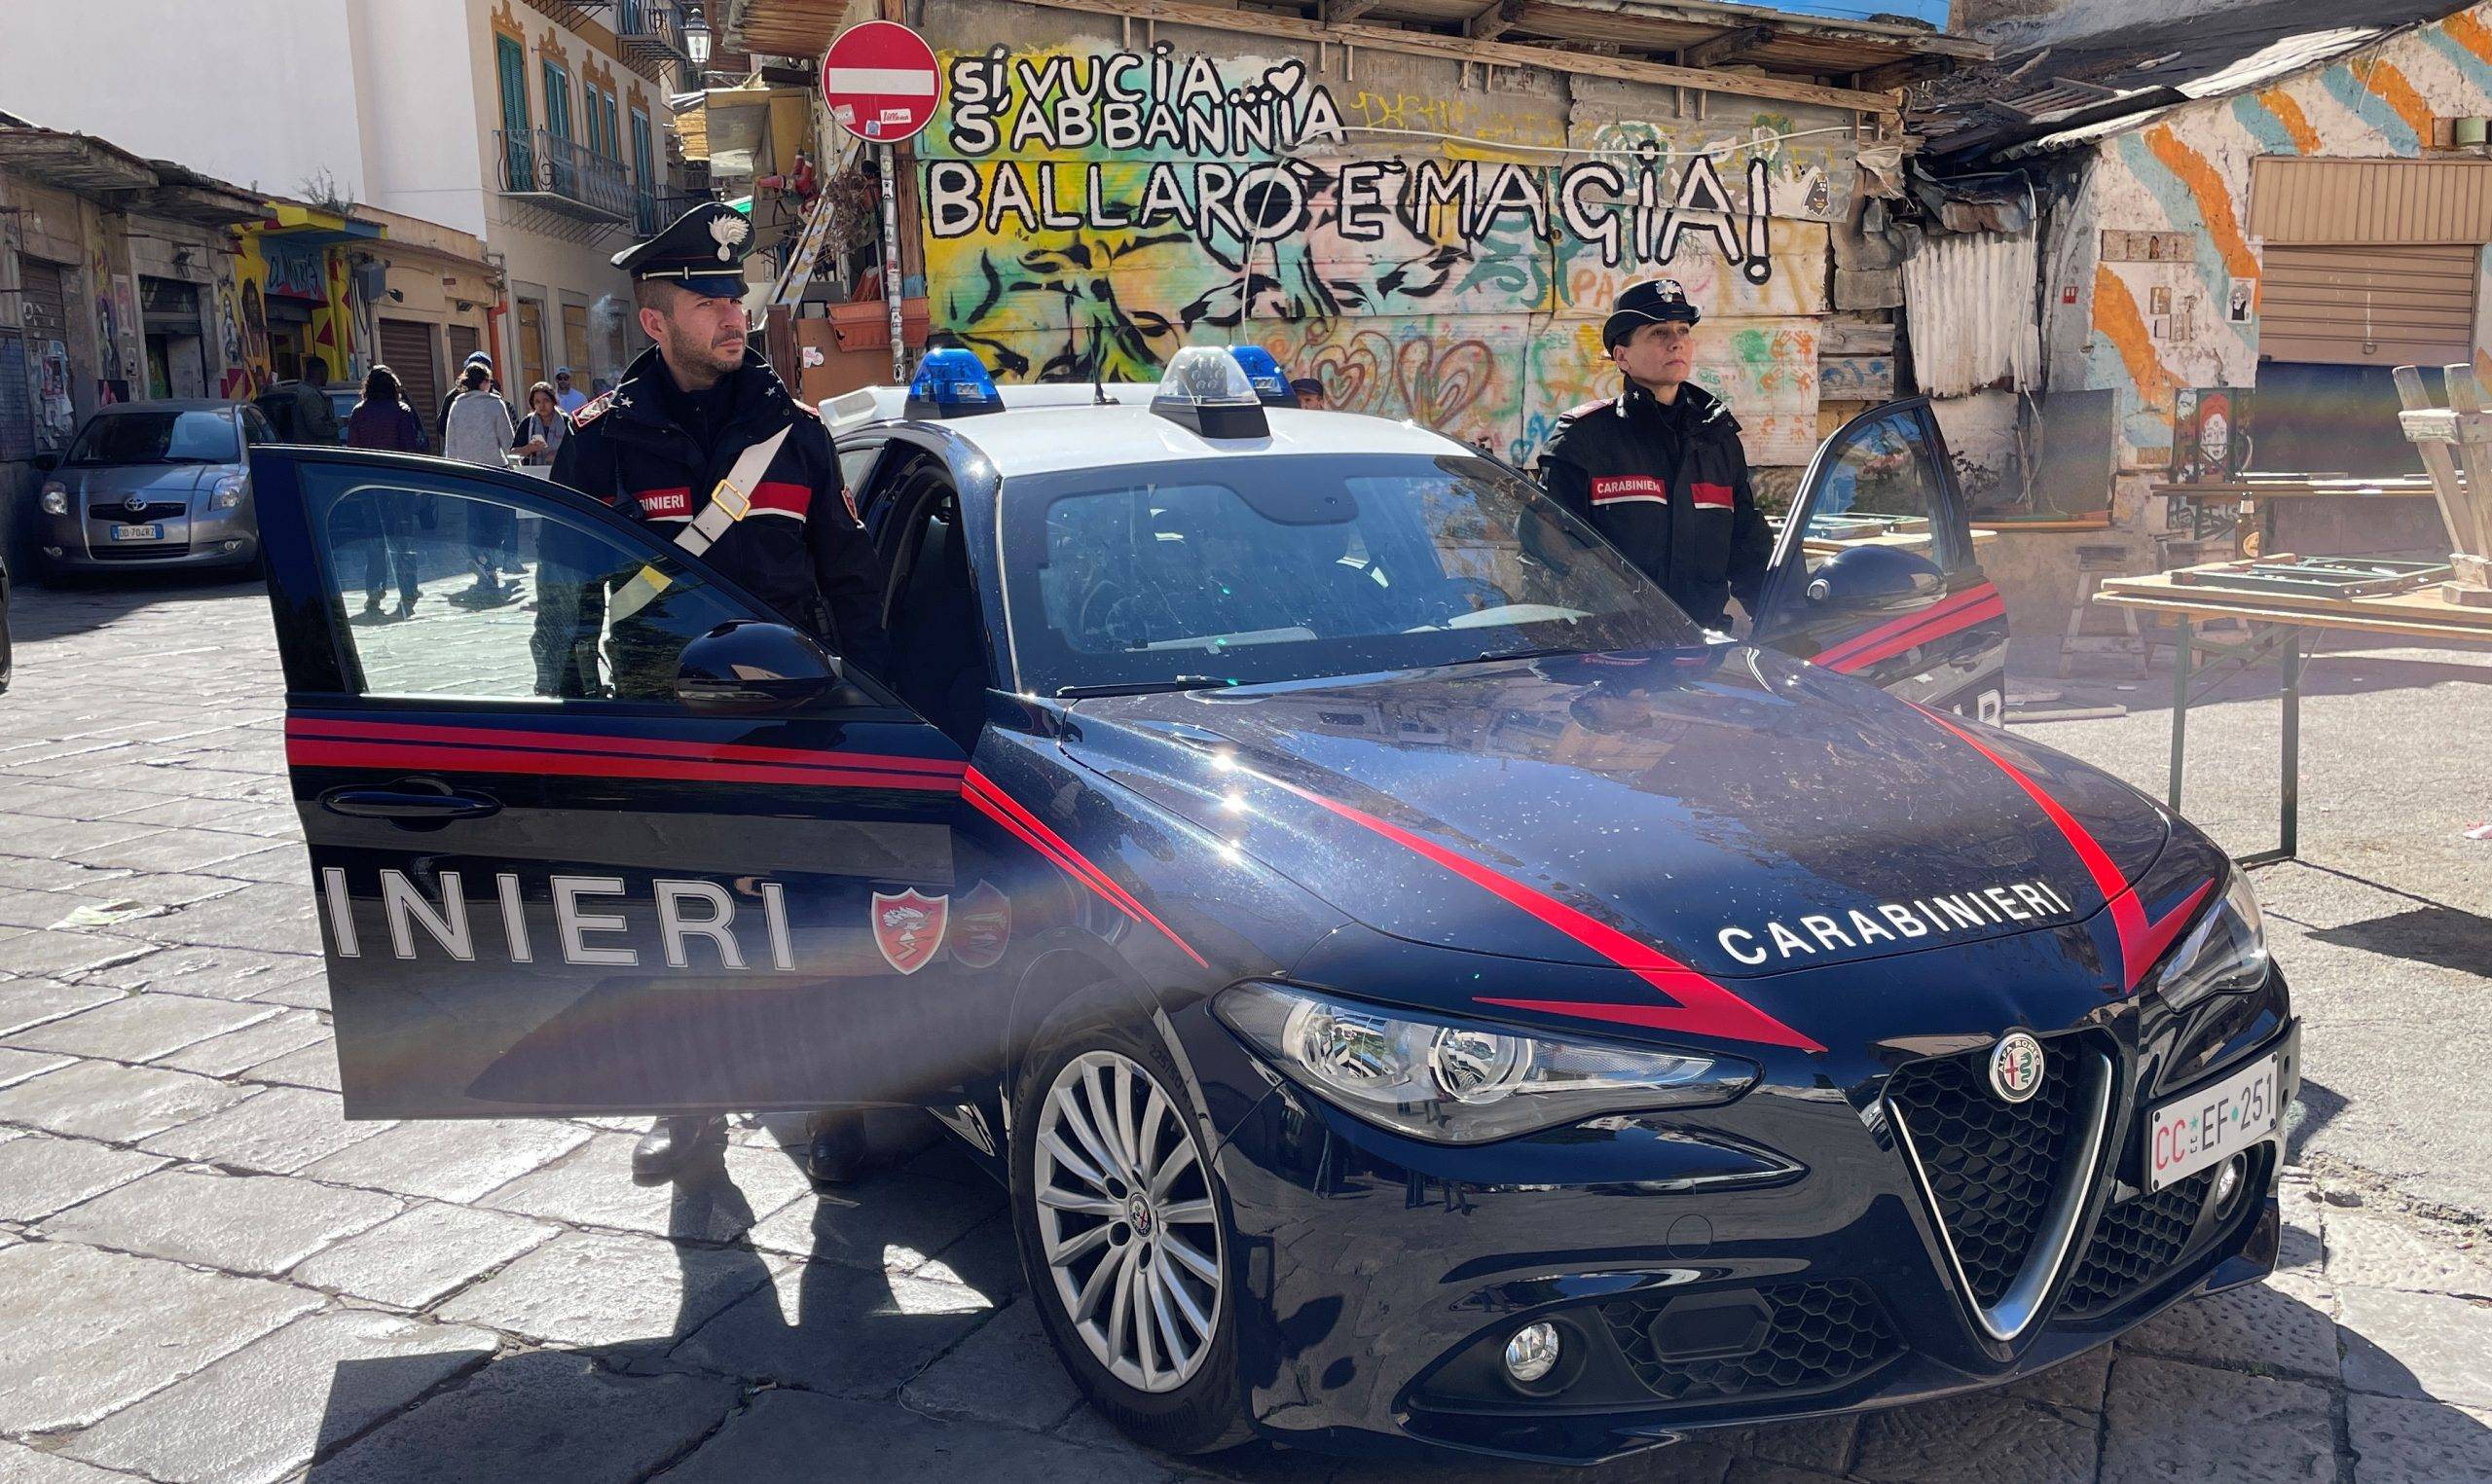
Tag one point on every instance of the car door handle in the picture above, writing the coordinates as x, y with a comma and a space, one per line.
405, 805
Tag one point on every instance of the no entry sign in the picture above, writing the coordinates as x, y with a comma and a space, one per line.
879, 80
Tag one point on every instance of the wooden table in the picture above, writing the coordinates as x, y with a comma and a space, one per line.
2276, 622
2263, 491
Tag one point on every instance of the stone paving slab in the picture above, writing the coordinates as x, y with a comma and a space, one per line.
2170, 1419
542, 1415
25, 1466
591, 1290
276, 1133
15, 1067
2418, 1345
26, 1002
2397, 1441
2281, 1325
442, 1159
41, 1173
790, 1434
70, 953
831, 1327
238, 1051
414, 1259
113, 1103
265, 1410
593, 1186
892, 1219
1003, 1373
2368, 1249
91, 1332
2035, 1445
140, 1028
313, 1066
218, 973
239, 1223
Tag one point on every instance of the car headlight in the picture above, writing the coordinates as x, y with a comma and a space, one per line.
1454, 1082
56, 500
229, 493
2227, 951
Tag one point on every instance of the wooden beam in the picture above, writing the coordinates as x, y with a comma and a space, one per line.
1498, 53
1881, 33
1335, 12
1713, 51
1495, 20
1896, 74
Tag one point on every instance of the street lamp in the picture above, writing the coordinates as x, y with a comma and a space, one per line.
696, 38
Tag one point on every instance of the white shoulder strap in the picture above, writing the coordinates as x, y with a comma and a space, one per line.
728, 504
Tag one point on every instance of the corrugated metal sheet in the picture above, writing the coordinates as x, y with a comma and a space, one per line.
2371, 200
1971, 297
2367, 305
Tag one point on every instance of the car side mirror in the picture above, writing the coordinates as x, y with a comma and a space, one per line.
748, 667
45, 463
1875, 577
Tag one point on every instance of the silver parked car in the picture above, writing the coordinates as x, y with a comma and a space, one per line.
154, 484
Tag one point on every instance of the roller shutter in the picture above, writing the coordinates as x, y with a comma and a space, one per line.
2368, 305
406, 347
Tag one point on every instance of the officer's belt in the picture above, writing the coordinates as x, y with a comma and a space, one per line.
729, 504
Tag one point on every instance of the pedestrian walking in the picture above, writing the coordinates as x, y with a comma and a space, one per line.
479, 431
543, 431
1659, 469
570, 398
384, 420
449, 399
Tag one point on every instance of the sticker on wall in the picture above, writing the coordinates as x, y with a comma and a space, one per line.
2158, 299
2162, 327
2241, 301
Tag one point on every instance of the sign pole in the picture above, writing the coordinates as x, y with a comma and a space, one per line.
891, 263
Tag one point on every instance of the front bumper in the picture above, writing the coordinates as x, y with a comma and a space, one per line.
215, 539
1771, 1260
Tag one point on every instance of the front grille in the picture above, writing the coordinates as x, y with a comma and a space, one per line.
119, 513
137, 551
2134, 1245
1992, 1165
1819, 1334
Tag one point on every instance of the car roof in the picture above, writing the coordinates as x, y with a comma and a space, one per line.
168, 405
1052, 428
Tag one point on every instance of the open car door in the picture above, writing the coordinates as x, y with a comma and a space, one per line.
593, 830
1873, 574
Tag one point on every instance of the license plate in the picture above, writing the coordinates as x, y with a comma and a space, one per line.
138, 532
2212, 1124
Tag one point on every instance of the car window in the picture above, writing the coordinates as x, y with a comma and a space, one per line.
1284, 567
255, 427
451, 588
158, 436
1881, 484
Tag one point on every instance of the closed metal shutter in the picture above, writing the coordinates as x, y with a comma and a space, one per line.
406, 347
47, 299
575, 344
462, 344
532, 346
2368, 305
2329, 201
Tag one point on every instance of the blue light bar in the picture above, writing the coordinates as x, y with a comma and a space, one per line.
952, 383
1265, 375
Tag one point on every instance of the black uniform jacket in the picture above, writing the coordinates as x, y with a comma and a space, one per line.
799, 548
1668, 485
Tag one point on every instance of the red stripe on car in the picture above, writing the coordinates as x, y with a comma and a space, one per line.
2143, 940
430, 757
1958, 610
989, 799
1702, 1007
608, 744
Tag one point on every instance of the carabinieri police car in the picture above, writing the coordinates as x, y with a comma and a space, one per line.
1413, 982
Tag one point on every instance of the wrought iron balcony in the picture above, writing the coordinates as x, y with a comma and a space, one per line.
563, 177
649, 30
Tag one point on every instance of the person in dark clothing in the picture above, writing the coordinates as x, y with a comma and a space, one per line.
660, 448
314, 420
383, 419
1659, 469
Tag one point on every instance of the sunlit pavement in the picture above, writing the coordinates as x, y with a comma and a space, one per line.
206, 1274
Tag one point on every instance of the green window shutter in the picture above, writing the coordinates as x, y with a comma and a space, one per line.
513, 65
558, 102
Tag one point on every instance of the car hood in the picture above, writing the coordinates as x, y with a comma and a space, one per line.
154, 482
1742, 813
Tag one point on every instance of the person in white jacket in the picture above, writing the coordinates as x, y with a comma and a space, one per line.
479, 431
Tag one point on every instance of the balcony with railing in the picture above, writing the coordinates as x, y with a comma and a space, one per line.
650, 31
563, 177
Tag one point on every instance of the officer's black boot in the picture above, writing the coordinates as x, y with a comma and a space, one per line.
672, 1144
836, 1155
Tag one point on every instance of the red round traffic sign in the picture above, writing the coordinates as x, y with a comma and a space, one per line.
880, 81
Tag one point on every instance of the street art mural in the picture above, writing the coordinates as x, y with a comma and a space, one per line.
2188, 173
1089, 211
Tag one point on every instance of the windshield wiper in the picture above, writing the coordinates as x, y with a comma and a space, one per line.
1142, 687
1544, 652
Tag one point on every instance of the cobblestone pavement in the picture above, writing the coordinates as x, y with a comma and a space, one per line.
206, 1274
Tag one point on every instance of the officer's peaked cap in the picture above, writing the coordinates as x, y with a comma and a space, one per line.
1652, 302
704, 249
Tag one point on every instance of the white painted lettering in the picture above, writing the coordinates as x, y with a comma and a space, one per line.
572, 923
514, 919
333, 886
774, 910
1869, 928
1744, 936
717, 924
1905, 922
1786, 940
1826, 932
2032, 896
2006, 901
404, 906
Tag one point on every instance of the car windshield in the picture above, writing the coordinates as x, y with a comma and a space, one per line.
157, 437
1239, 571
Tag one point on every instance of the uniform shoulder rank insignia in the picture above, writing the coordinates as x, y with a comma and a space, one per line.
1588, 407
805, 409
592, 409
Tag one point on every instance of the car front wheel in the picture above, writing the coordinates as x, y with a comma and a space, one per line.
1125, 1236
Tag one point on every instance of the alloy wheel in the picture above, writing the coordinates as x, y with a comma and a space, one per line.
1125, 1215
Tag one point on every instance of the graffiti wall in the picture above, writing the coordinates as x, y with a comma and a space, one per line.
1427, 245
2159, 292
